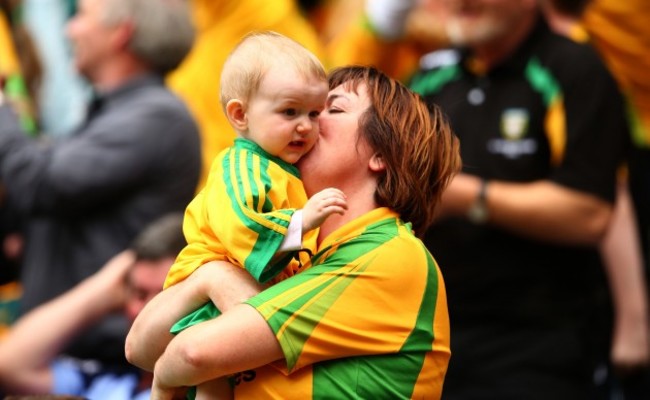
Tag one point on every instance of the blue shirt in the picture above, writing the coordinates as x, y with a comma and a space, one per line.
86, 379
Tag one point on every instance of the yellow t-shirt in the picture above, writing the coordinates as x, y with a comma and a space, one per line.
242, 215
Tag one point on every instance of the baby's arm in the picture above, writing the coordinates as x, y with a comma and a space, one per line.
149, 334
320, 206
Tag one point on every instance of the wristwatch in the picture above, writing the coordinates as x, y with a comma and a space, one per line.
478, 211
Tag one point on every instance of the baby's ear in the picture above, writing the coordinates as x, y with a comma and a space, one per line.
236, 113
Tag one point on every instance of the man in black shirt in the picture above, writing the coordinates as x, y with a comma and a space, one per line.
542, 132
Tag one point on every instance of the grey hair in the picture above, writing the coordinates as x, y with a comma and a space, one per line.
163, 29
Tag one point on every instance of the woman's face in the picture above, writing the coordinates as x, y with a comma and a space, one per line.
340, 157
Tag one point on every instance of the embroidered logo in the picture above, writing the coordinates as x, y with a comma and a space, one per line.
513, 142
514, 123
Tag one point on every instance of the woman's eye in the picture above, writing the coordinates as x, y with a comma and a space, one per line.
334, 111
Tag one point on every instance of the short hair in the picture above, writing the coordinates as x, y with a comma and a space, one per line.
161, 239
255, 54
163, 29
419, 150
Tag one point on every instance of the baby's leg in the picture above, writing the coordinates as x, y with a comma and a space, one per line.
216, 389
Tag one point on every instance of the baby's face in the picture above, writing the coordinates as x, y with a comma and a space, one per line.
283, 114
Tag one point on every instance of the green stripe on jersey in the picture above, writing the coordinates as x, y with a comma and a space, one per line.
268, 240
318, 300
431, 81
392, 376
387, 376
542, 80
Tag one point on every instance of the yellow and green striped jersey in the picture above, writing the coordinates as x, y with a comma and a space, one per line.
242, 215
367, 319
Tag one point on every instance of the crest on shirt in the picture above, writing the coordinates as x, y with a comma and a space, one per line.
514, 123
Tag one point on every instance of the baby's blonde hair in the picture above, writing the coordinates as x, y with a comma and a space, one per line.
255, 54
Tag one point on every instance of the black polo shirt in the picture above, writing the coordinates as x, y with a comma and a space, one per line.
549, 112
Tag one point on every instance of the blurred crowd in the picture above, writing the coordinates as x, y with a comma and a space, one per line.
543, 240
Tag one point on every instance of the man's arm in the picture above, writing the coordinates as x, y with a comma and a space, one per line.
34, 342
622, 256
541, 210
149, 334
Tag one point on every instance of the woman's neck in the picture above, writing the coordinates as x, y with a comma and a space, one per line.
360, 202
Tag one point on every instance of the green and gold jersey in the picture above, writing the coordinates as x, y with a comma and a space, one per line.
242, 215
367, 319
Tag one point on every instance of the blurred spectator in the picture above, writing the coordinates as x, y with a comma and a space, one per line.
20, 65
63, 94
622, 251
389, 34
30, 355
621, 33
135, 157
20, 74
543, 131
220, 26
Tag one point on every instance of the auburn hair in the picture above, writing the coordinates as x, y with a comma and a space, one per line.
415, 141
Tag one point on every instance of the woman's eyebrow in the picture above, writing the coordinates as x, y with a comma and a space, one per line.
332, 98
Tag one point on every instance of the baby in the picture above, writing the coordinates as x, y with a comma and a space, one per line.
253, 211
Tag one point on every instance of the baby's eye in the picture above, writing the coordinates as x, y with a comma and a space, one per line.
291, 112
314, 114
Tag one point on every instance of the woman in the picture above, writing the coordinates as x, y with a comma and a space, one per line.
368, 317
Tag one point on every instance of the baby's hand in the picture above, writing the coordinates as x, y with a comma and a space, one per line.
321, 205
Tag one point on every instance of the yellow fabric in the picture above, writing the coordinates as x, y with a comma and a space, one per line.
359, 45
10, 294
242, 215
220, 25
15, 87
620, 31
8, 59
555, 126
354, 317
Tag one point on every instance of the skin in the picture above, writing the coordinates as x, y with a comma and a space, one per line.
350, 161
143, 283
282, 116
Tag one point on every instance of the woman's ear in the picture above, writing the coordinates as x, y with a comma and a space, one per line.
376, 163
236, 114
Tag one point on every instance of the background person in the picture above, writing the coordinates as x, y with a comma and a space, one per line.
31, 358
135, 158
543, 131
